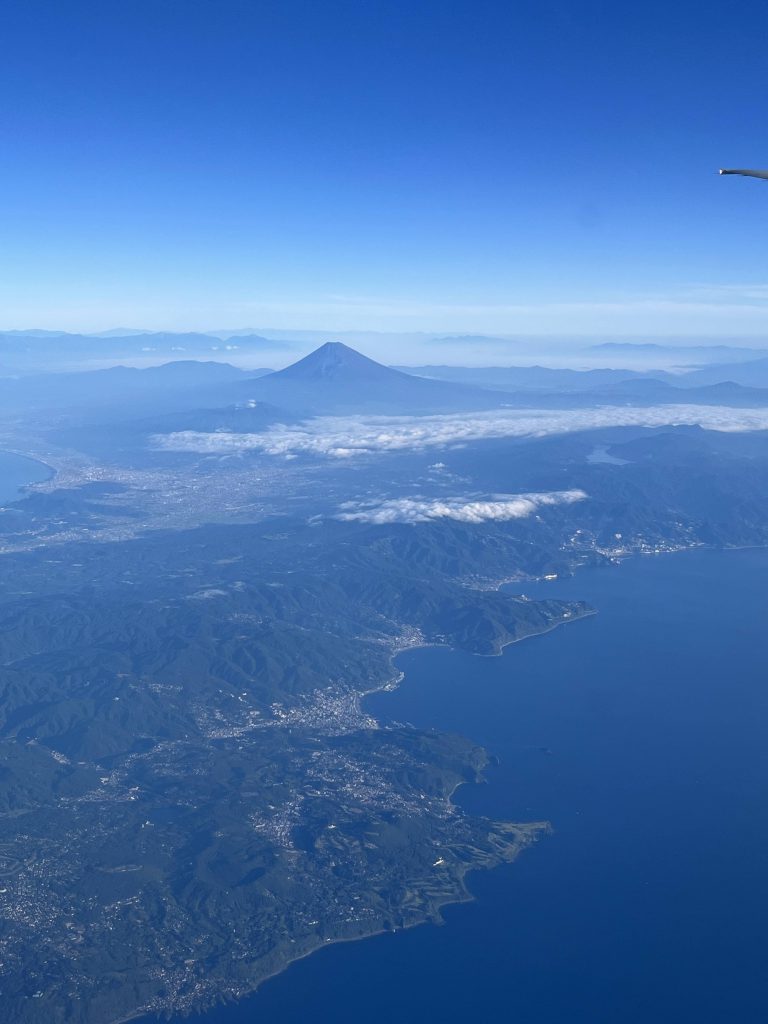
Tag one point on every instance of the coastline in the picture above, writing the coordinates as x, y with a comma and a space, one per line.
25, 454
526, 834
466, 896
23, 489
534, 829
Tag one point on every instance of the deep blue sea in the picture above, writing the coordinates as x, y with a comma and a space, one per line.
15, 472
642, 735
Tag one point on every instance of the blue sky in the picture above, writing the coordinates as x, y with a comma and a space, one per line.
521, 168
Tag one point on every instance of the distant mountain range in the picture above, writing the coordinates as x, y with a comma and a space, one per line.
687, 354
523, 378
31, 351
751, 373
644, 391
337, 379
124, 392
120, 407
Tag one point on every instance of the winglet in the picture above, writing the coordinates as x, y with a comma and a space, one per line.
745, 173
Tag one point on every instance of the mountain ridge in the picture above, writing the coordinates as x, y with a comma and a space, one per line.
335, 378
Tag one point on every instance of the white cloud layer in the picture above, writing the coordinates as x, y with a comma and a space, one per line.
346, 436
465, 510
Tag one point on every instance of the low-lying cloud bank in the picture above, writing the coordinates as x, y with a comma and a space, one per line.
346, 436
466, 510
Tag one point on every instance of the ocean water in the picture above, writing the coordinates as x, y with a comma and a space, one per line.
15, 472
642, 735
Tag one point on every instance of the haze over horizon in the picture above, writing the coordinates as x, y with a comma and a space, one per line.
38, 350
